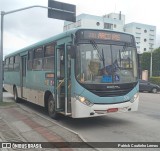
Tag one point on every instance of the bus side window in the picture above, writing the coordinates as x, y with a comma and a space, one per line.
62, 64
30, 60
37, 61
49, 57
11, 61
6, 64
17, 63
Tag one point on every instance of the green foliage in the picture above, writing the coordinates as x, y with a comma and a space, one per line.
155, 80
145, 62
156, 62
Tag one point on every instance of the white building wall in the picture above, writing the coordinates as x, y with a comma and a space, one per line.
91, 21
145, 36
116, 16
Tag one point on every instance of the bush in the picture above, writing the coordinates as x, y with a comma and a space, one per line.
155, 80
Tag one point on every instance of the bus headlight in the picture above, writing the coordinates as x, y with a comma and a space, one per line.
84, 100
134, 97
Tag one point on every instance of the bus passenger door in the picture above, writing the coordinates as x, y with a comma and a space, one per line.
23, 76
60, 80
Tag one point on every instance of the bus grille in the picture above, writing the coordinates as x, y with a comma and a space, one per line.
110, 93
110, 90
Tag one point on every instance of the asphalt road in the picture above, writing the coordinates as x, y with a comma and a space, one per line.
140, 126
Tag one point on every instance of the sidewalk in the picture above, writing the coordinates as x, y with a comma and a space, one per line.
21, 125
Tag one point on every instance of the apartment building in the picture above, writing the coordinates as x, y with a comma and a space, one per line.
110, 21
145, 35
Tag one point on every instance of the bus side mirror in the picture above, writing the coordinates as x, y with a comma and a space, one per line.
72, 51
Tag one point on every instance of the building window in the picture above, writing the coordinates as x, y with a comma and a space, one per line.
108, 26
144, 49
145, 31
98, 23
138, 39
145, 40
115, 25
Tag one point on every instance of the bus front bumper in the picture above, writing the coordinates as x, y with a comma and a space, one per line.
80, 110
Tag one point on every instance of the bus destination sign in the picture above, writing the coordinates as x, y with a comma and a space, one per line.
106, 35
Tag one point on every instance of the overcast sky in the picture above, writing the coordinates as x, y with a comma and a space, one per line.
29, 26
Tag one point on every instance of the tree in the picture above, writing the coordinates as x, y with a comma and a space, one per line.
156, 62
145, 61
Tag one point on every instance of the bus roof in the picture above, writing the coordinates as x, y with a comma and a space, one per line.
40, 43
56, 38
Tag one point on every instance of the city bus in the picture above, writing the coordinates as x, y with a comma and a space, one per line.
79, 73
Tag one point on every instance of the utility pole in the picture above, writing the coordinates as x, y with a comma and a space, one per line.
62, 12
151, 61
1, 59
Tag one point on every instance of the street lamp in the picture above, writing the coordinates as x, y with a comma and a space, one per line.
151, 61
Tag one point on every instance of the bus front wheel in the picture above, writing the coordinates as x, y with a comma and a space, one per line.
16, 99
51, 107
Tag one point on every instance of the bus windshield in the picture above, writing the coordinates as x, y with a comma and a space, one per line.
101, 63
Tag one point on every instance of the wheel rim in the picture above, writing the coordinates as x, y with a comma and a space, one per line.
154, 90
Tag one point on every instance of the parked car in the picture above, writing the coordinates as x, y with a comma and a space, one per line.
148, 86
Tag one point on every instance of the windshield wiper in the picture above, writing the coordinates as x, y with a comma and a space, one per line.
100, 55
103, 59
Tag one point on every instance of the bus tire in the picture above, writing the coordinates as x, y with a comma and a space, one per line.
51, 108
16, 99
